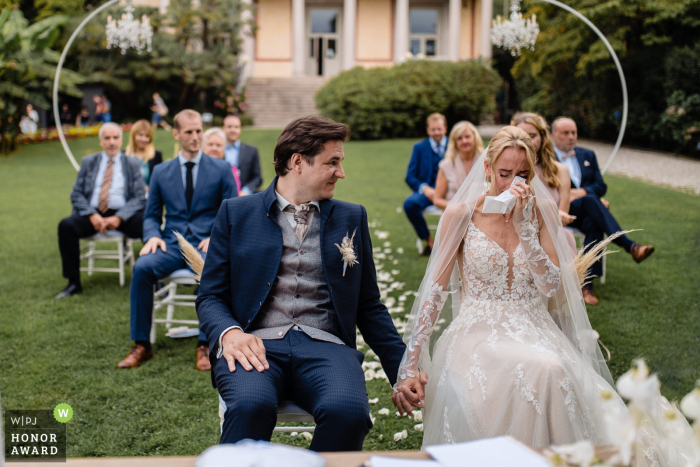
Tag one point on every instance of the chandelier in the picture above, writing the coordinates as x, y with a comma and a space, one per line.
128, 33
516, 33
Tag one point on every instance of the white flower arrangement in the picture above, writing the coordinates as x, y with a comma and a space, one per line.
347, 250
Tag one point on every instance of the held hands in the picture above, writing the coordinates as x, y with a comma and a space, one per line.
204, 245
113, 222
247, 349
152, 245
410, 394
566, 218
98, 223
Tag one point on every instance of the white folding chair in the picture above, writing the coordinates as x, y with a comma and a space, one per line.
286, 412
580, 238
429, 211
123, 254
169, 298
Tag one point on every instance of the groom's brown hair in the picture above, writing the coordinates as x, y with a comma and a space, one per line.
306, 136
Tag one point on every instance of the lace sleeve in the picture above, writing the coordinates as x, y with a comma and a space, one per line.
421, 332
545, 273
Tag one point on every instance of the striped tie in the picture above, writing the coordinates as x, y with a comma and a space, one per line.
103, 203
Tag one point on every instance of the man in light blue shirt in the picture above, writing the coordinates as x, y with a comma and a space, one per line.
243, 157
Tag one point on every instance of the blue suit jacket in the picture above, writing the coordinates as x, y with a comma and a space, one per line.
422, 167
591, 178
215, 183
244, 256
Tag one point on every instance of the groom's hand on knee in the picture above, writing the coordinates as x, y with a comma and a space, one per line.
247, 349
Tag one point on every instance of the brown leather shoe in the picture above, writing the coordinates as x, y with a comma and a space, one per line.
203, 363
589, 297
641, 252
137, 355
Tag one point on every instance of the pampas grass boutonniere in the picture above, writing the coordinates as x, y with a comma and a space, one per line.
191, 256
347, 250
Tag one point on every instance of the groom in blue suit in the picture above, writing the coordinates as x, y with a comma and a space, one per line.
422, 175
279, 301
190, 188
593, 217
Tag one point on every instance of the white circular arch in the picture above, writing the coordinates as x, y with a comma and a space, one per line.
56, 114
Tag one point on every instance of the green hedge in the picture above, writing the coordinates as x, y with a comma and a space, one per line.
393, 102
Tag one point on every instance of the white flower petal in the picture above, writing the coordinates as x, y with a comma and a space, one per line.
580, 453
387, 250
690, 404
294, 434
418, 415
418, 427
373, 401
387, 243
307, 436
399, 250
396, 261
384, 411
370, 375
401, 435
395, 272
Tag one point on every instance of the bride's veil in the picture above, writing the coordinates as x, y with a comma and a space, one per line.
566, 306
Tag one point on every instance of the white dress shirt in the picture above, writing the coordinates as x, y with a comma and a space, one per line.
281, 204
195, 169
571, 163
117, 191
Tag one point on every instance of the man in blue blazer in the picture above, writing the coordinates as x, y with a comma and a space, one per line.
288, 277
587, 187
190, 188
422, 174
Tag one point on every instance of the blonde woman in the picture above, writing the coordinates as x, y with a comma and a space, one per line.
141, 147
504, 366
214, 145
464, 147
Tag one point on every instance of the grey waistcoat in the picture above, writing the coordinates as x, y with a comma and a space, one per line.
299, 297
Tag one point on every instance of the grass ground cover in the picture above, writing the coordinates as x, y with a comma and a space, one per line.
66, 351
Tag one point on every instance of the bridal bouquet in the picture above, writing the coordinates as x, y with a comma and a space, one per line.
654, 428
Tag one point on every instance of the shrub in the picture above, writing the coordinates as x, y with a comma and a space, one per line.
394, 102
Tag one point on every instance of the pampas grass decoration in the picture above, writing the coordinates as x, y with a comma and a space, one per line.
586, 257
191, 256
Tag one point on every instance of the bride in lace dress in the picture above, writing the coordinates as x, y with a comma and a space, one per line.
520, 357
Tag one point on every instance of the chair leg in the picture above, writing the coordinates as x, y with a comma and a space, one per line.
153, 323
171, 308
605, 267
91, 257
130, 246
120, 252
419, 245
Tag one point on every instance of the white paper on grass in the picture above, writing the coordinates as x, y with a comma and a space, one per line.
383, 461
491, 452
503, 203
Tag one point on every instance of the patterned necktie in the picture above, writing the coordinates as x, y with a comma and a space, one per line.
189, 184
303, 214
103, 200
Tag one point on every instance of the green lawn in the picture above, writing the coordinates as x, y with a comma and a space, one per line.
66, 351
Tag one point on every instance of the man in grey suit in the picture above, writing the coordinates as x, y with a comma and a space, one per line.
108, 194
242, 156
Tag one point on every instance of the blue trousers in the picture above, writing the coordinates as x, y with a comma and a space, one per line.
413, 206
147, 271
596, 221
323, 378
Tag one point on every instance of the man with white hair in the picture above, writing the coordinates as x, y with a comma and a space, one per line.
108, 194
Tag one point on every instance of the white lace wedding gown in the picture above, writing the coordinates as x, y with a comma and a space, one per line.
503, 366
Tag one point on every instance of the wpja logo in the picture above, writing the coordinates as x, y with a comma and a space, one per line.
36, 435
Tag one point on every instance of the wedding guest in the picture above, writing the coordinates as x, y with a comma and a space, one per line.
214, 145
591, 216
464, 147
160, 110
66, 115
29, 122
83, 118
97, 99
107, 195
141, 147
422, 175
106, 109
190, 189
242, 156
554, 174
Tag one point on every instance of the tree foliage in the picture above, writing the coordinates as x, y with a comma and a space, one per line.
570, 72
27, 69
195, 54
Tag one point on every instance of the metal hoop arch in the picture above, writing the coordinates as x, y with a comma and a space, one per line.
56, 114
625, 102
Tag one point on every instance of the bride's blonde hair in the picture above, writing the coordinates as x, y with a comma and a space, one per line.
511, 137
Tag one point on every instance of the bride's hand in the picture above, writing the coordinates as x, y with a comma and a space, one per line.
410, 394
522, 194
